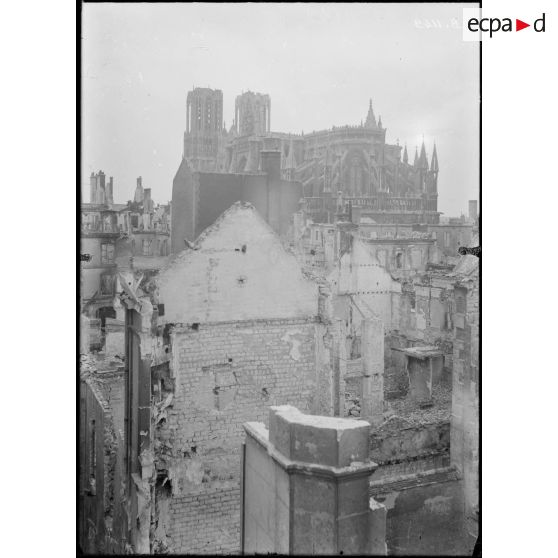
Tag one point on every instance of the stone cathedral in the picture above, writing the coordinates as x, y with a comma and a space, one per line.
345, 165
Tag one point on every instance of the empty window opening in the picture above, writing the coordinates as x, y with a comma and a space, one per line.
107, 253
93, 460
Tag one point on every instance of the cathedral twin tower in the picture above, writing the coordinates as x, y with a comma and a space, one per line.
352, 161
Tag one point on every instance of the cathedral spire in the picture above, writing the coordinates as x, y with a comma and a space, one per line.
434, 164
379, 122
370, 118
423, 161
415, 162
405, 155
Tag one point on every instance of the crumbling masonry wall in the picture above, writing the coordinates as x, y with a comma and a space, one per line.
424, 515
422, 315
465, 396
98, 467
225, 374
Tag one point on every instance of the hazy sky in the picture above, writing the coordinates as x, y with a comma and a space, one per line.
320, 63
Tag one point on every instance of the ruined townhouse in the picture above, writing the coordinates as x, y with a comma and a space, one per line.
145, 228
430, 379
133, 237
99, 232
229, 328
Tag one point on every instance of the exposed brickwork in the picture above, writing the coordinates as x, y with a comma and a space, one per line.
225, 375
206, 521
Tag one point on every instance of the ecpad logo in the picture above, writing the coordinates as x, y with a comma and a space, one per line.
494, 25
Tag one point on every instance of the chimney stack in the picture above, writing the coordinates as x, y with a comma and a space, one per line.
253, 163
147, 200
138, 195
92, 188
473, 210
101, 188
109, 198
271, 164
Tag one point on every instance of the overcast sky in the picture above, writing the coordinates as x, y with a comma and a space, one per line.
320, 63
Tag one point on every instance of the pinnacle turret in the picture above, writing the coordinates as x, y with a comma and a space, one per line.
423, 161
434, 164
370, 118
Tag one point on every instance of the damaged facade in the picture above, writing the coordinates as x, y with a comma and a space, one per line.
133, 238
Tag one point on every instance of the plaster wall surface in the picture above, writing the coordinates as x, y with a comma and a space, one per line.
114, 337
239, 271
92, 246
360, 274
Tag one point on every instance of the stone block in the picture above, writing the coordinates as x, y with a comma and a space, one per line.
280, 430
352, 531
313, 494
314, 445
353, 496
332, 441
316, 490
313, 533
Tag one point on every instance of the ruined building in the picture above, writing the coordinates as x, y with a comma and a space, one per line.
366, 326
99, 234
231, 327
144, 244
228, 328
115, 237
